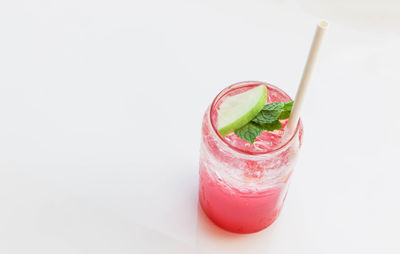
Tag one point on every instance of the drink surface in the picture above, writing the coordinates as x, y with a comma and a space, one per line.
243, 185
267, 141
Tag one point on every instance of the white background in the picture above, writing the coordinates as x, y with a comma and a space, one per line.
100, 112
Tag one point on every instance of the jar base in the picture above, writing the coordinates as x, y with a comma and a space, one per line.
239, 229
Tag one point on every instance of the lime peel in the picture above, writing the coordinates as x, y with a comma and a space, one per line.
238, 110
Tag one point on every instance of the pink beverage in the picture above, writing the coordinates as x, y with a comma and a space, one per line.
243, 185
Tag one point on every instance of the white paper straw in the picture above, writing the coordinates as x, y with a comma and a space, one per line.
305, 80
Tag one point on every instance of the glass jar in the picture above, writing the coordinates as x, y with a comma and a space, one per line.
242, 185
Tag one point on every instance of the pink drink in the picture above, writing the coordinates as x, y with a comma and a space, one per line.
243, 185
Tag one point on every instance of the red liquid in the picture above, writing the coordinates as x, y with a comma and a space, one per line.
239, 212
243, 185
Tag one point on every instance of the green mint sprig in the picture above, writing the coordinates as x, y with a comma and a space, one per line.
266, 120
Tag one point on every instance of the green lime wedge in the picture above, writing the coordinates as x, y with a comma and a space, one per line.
236, 111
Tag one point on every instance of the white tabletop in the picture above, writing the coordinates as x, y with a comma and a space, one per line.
100, 112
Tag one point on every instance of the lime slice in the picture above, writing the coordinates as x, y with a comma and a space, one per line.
236, 111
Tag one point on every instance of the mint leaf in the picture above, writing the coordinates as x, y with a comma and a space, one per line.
267, 116
288, 106
269, 113
249, 132
275, 125
267, 119
286, 109
274, 106
284, 115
